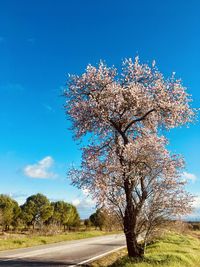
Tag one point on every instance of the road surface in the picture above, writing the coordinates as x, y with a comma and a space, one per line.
69, 253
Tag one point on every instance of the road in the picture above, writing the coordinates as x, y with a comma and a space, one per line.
69, 253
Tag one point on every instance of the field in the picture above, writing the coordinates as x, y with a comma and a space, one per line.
12, 241
172, 250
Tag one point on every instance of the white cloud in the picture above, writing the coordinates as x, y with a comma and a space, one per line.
196, 203
195, 215
189, 176
83, 203
84, 206
76, 202
85, 192
40, 169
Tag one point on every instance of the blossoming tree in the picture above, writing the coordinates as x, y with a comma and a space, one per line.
126, 166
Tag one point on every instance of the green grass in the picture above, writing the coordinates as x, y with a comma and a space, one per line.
173, 250
20, 241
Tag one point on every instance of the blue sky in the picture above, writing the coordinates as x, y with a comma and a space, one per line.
42, 41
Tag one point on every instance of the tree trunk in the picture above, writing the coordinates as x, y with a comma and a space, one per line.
134, 249
130, 223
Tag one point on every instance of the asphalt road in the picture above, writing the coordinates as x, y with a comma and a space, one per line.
69, 253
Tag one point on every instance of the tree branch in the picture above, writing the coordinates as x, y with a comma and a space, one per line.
118, 129
137, 120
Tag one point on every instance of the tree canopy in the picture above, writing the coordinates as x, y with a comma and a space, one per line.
10, 211
37, 210
126, 166
65, 214
98, 218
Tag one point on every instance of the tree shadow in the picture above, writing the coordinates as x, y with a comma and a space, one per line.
33, 263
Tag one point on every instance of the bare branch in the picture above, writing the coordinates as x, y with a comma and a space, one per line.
137, 120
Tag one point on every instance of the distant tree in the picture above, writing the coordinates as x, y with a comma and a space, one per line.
9, 210
1, 218
60, 213
17, 214
73, 218
64, 214
112, 220
87, 223
126, 167
36, 210
98, 219
93, 219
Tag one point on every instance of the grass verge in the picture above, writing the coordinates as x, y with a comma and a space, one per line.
172, 250
19, 241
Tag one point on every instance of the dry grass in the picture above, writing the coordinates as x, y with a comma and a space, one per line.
12, 241
171, 250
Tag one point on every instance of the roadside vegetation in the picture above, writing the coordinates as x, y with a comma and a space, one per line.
36, 213
12, 241
171, 249
39, 221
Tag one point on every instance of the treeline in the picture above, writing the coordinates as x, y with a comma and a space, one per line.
102, 219
36, 213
